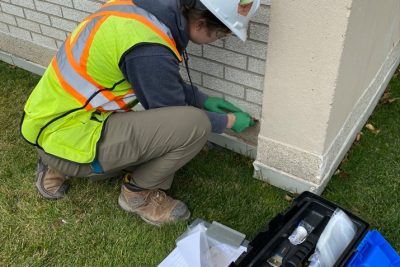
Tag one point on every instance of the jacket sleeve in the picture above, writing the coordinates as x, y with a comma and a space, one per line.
153, 71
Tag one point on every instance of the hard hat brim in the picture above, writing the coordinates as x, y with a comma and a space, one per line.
237, 23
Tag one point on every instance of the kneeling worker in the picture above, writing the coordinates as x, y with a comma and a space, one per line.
79, 115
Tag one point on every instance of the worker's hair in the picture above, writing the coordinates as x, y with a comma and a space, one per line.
211, 22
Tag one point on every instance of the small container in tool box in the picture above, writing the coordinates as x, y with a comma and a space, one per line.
316, 211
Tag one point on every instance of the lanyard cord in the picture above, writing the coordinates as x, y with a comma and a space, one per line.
186, 60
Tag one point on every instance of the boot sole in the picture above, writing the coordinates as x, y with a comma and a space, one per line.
44, 193
125, 207
40, 172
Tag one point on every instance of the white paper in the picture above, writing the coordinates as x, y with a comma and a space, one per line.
174, 259
190, 248
196, 250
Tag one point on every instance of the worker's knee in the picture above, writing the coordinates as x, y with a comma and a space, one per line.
199, 120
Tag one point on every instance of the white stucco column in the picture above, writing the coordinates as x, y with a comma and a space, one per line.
328, 63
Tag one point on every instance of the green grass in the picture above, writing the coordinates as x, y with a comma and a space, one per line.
88, 229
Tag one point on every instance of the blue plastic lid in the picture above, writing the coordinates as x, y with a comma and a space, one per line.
374, 251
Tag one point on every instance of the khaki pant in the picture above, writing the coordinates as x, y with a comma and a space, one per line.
152, 145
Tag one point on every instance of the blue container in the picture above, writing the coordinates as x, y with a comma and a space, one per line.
373, 251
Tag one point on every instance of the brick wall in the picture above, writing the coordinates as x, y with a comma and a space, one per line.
228, 68
46, 23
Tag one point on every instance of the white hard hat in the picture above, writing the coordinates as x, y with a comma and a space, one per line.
227, 12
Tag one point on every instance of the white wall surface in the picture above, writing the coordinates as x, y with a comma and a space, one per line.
372, 33
328, 63
303, 58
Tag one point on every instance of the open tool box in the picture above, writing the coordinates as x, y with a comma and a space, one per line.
271, 246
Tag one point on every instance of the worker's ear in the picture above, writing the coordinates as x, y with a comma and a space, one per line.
199, 24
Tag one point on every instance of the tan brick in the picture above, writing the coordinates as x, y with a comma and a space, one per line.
244, 78
24, 3
73, 14
28, 25
254, 96
37, 16
4, 28
251, 48
224, 56
61, 2
20, 33
206, 66
223, 86
86, 5
63, 24
210, 92
43, 40
13, 10
48, 8
195, 49
7, 18
262, 15
258, 32
256, 65
53, 32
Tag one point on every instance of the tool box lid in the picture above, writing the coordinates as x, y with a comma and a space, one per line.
374, 250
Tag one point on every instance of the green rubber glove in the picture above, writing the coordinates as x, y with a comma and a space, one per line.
242, 122
245, 2
219, 105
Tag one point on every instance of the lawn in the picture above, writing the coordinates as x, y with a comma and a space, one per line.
87, 228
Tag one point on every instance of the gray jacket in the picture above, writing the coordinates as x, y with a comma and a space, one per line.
154, 69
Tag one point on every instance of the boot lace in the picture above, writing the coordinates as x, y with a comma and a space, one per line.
157, 196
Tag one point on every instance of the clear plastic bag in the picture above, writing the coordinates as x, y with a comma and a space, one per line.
337, 235
198, 249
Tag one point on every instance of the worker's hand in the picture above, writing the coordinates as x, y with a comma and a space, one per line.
241, 122
219, 105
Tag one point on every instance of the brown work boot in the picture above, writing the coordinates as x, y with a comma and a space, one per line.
50, 183
153, 206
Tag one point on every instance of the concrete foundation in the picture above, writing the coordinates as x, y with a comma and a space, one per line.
327, 67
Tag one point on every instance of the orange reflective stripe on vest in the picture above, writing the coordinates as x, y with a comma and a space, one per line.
73, 67
88, 43
71, 90
123, 9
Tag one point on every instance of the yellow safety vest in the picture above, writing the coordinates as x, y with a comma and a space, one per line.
83, 85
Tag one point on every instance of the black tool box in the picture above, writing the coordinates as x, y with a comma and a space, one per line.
277, 231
